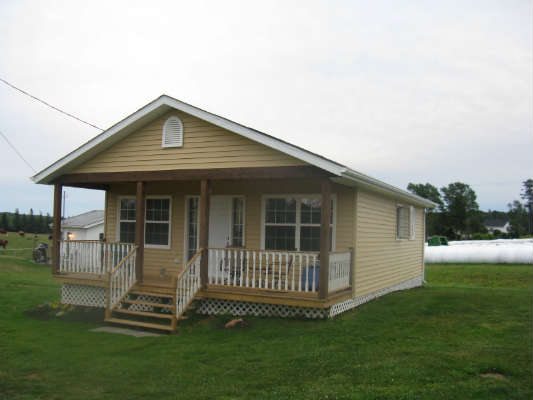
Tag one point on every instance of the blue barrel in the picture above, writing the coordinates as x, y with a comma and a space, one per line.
307, 273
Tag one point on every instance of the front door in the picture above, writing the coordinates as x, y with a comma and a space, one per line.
220, 221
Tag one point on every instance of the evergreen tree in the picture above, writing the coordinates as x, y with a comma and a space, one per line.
41, 223
16, 220
31, 222
4, 224
23, 222
518, 219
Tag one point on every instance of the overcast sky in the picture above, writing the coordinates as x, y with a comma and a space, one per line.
420, 91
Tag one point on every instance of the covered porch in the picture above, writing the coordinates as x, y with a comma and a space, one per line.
215, 264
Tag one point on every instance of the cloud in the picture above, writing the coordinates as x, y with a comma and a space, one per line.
410, 91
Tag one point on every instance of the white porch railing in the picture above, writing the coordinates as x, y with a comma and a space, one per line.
91, 256
121, 279
264, 269
188, 283
340, 265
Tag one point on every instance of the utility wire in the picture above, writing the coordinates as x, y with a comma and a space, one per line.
49, 105
16, 151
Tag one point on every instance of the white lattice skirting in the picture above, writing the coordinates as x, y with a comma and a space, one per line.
238, 308
352, 303
81, 295
94, 296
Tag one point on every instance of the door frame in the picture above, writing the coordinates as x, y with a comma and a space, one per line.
186, 224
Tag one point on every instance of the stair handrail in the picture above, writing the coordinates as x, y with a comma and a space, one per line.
120, 280
187, 284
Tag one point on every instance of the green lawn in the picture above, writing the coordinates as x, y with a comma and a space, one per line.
22, 246
426, 343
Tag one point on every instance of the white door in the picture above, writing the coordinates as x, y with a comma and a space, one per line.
220, 221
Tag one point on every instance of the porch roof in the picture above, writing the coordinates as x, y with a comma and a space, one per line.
341, 173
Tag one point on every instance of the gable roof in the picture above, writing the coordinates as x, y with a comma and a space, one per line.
85, 220
163, 104
494, 222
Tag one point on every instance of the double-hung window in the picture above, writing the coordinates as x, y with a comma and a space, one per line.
157, 221
126, 218
293, 223
405, 222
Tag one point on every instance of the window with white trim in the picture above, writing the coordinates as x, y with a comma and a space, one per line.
173, 132
237, 222
293, 223
126, 223
157, 221
405, 222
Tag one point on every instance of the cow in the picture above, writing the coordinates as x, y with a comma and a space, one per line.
3, 231
3, 243
21, 234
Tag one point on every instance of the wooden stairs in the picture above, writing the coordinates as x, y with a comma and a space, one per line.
147, 308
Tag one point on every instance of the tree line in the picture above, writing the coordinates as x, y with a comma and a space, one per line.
457, 215
31, 223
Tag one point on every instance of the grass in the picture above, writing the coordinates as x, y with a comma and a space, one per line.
22, 247
426, 343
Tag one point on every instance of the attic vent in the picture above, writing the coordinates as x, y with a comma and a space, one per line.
173, 133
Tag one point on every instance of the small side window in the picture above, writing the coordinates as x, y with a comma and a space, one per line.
173, 133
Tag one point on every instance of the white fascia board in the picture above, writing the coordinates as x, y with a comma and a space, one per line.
48, 173
256, 136
383, 187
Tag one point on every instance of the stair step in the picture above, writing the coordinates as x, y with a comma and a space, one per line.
153, 294
137, 323
147, 303
143, 313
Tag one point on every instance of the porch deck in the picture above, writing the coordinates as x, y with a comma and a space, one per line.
239, 275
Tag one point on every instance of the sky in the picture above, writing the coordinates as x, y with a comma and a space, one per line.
410, 91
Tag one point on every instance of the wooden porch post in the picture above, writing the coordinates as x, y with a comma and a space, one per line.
325, 220
56, 233
139, 231
205, 194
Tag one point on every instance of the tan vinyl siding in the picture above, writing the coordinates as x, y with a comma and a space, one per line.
155, 259
381, 260
204, 146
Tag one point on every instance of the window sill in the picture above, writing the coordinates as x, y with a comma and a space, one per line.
156, 246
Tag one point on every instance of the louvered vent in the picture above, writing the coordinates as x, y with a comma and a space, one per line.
173, 133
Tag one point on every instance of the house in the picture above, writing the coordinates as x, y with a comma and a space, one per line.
200, 208
86, 226
497, 224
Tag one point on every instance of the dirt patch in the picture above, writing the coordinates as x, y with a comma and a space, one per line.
65, 312
494, 375
32, 377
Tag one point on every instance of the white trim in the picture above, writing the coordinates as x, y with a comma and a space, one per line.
165, 132
159, 246
186, 226
186, 220
298, 216
147, 246
164, 103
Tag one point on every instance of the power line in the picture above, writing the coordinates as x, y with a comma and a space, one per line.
48, 104
16, 151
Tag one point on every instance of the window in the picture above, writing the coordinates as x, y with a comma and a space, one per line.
157, 224
157, 221
127, 221
172, 133
293, 223
192, 227
237, 222
405, 222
